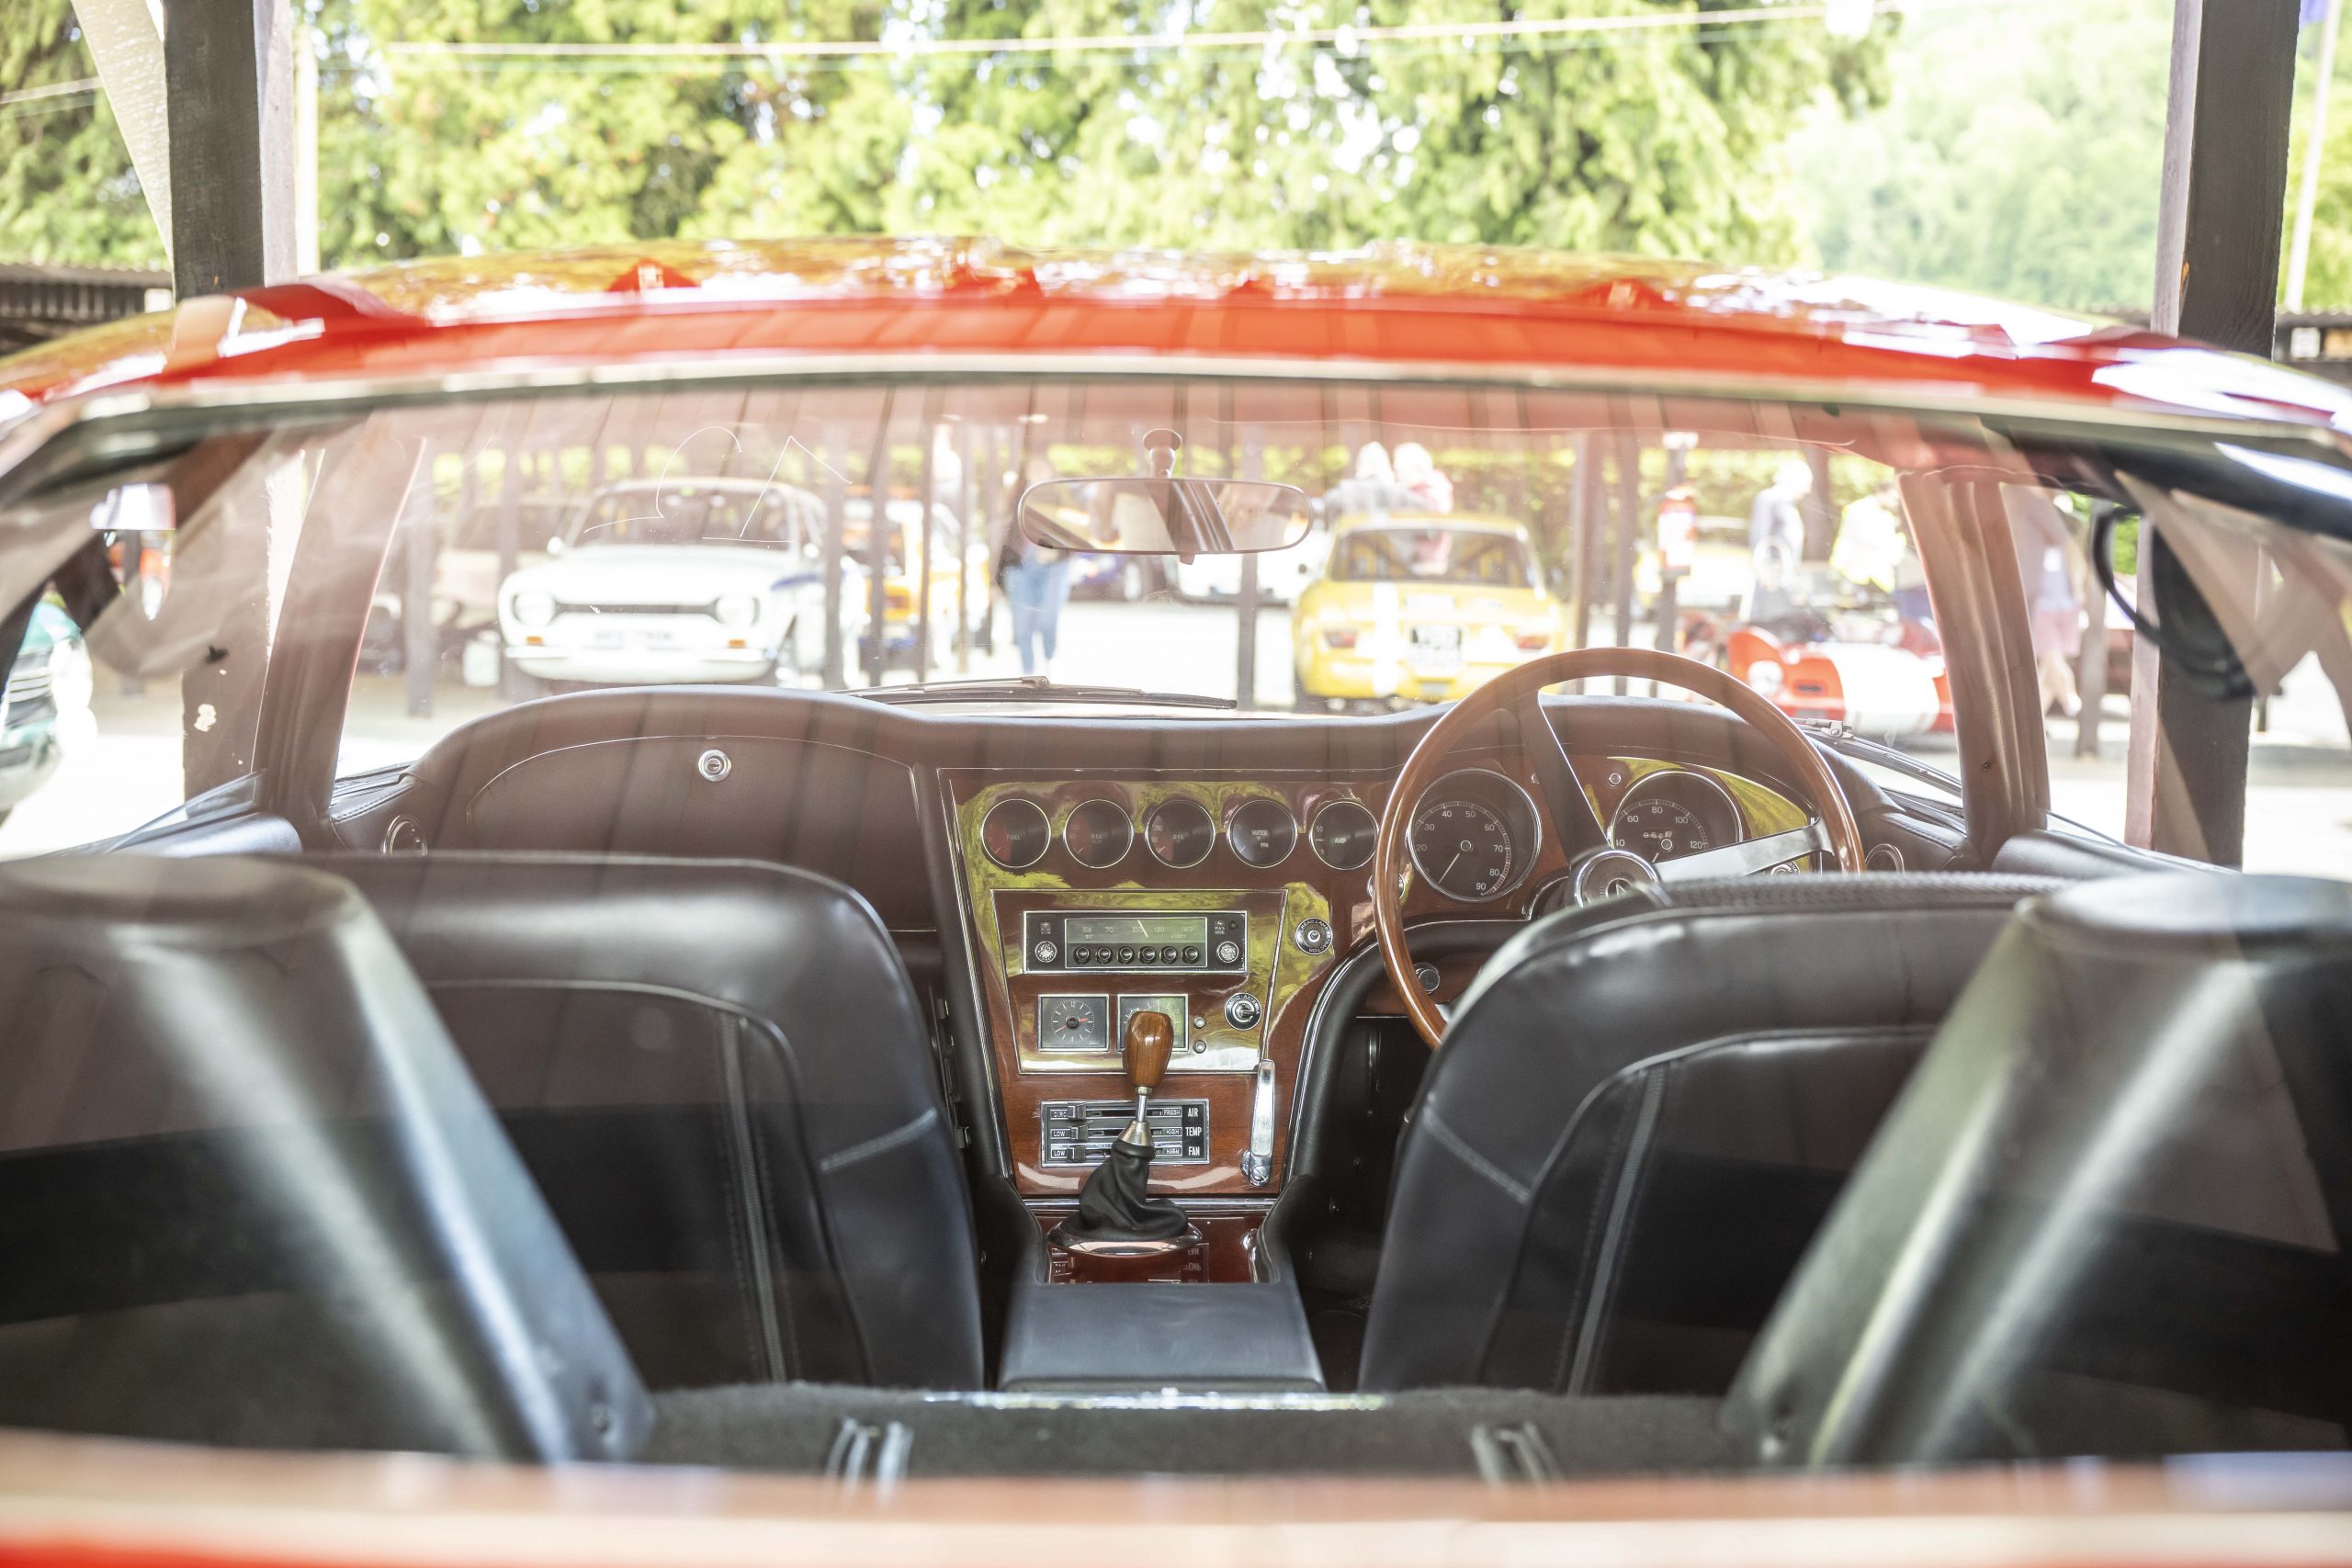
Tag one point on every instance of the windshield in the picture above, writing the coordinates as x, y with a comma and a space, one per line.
524, 545
1431, 555
683, 512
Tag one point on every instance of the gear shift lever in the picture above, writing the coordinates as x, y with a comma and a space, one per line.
1116, 1212
1151, 1039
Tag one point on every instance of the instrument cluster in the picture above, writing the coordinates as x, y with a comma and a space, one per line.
1181, 831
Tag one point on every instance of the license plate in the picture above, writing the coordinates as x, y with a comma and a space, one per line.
1434, 647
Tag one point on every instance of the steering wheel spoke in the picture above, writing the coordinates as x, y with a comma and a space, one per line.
1747, 858
1574, 823
1520, 693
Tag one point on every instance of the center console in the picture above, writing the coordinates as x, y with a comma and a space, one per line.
1223, 905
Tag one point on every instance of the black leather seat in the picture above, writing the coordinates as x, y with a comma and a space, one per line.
248, 1193
1641, 1114
721, 1078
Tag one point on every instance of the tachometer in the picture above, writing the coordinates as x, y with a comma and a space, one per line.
1464, 847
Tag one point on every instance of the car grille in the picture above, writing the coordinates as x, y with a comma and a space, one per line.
564, 609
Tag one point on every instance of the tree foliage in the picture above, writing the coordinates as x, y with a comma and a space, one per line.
1661, 139
2020, 159
67, 193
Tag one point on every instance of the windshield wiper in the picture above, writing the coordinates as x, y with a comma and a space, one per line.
1834, 734
1035, 689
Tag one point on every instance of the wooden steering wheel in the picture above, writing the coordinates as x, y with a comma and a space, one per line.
1567, 813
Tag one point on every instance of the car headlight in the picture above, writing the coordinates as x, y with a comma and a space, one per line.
533, 608
737, 610
1766, 677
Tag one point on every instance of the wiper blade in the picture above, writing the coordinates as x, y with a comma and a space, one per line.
1036, 688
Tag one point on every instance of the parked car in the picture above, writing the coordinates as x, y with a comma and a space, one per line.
905, 569
46, 705
1012, 1117
679, 579
1419, 609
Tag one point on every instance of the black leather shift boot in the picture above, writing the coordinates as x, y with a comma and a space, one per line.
1117, 1205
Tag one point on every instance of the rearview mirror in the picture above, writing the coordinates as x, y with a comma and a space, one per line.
1164, 516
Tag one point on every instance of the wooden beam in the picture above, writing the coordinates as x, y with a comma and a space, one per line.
2218, 232
228, 81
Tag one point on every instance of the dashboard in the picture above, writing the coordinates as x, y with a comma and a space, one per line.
1045, 875
1226, 902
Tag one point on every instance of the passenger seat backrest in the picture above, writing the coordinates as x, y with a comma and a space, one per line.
250, 1196
1643, 1111
721, 1077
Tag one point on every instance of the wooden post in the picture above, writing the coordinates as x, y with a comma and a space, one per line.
229, 88
2218, 230
1629, 519
830, 676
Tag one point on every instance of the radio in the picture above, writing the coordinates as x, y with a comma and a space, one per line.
1058, 941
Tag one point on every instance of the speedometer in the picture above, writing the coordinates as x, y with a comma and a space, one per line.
1674, 812
1658, 830
1465, 848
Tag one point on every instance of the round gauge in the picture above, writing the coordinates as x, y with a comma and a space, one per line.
1668, 815
1262, 831
1473, 835
1341, 835
1180, 832
1015, 833
1465, 848
1098, 833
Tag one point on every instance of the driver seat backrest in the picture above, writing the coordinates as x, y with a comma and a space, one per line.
1643, 1112
719, 1074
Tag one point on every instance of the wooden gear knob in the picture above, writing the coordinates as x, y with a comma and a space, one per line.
1151, 1039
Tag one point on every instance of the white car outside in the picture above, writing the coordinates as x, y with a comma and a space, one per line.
1282, 575
683, 581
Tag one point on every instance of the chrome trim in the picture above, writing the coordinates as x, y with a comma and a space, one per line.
1738, 823
314, 397
1044, 821
1534, 848
1258, 1160
1125, 821
1325, 809
1613, 863
714, 765
1288, 816
1207, 815
403, 826
1893, 852
1747, 858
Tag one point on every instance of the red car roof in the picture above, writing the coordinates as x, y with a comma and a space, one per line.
1443, 308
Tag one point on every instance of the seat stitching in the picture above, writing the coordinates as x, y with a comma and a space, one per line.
877, 1146
1470, 1156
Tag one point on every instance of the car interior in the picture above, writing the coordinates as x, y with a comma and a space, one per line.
1602, 1073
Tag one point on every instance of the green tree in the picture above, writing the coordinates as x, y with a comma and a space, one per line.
67, 192
2019, 159
1660, 140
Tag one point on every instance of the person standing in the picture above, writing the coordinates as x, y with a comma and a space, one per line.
1037, 585
1776, 522
2053, 609
1418, 472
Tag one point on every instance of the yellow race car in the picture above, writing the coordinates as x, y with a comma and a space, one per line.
1419, 608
